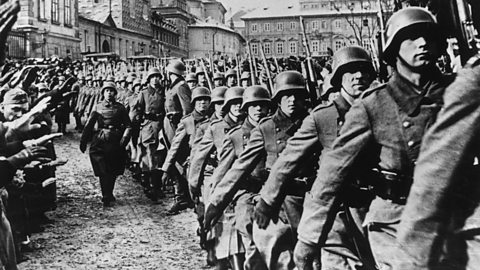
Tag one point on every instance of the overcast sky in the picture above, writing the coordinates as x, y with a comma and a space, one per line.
235, 5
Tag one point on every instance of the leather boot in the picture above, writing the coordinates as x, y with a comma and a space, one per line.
222, 264
210, 247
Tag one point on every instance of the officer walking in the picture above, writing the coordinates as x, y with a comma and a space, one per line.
380, 138
107, 149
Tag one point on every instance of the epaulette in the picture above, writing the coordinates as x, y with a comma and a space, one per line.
323, 106
368, 92
264, 119
234, 129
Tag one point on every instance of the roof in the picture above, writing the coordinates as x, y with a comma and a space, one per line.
101, 12
293, 9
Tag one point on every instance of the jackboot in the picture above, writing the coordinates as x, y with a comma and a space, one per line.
210, 247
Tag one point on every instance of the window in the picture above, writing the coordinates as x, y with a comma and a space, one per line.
55, 13
206, 37
55, 50
366, 43
68, 12
132, 8
353, 41
86, 39
254, 48
338, 24
145, 12
293, 25
279, 26
126, 48
314, 6
338, 45
324, 24
293, 47
315, 45
266, 27
267, 48
254, 27
314, 25
323, 46
279, 47
41, 9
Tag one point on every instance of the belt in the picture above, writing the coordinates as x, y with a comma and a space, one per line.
110, 127
153, 116
391, 186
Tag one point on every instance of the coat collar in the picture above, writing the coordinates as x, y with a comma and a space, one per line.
230, 121
342, 106
409, 96
197, 117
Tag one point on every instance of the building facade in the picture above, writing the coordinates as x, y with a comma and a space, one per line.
209, 38
329, 26
45, 28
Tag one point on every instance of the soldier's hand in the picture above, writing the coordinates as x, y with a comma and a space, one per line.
306, 256
27, 155
263, 214
42, 140
24, 124
83, 147
164, 177
212, 215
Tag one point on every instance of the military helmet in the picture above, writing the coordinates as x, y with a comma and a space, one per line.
400, 23
42, 86
348, 57
110, 78
218, 94
153, 72
200, 92
289, 81
15, 96
176, 67
191, 77
255, 93
80, 76
109, 85
230, 72
232, 94
137, 82
199, 71
218, 76
245, 76
61, 78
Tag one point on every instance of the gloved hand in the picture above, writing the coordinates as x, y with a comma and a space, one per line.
306, 256
83, 147
212, 215
263, 214
27, 155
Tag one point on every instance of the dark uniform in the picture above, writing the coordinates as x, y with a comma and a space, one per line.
107, 154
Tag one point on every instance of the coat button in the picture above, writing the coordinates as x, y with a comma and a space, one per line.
277, 129
278, 141
410, 143
406, 124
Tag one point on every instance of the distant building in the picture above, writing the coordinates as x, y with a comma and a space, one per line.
45, 28
212, 38
176, 12
329, 24
204, 9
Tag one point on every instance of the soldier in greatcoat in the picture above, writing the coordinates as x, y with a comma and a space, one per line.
107, 149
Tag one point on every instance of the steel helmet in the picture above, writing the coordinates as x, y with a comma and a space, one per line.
347, 57
199, 71
232, 94
231, 72
402, 21
152, 72
191, 77
288, 81
109, 85
176, 67
255, 93
137, 82
218, 94
200, 92
41, 86
218, 76
245, 76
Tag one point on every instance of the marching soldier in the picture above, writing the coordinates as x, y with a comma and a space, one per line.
177, 105
77, 88
256, 102
107, 149
201, 79
151, 111
231, 78
218, 79
353, 73
266, 142
245, 80
191, 80
62, 112
380, 140
210, 145
134, 114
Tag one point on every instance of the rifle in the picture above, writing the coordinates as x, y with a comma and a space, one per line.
253, 69
238, 69
267, 69
380, 39
458, 16
207, 76
312, 80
